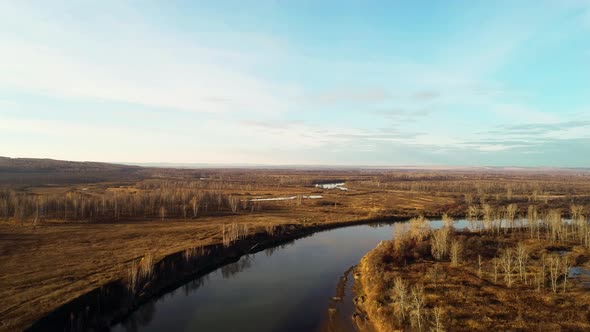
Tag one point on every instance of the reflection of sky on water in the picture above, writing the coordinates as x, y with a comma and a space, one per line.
278, 289
459, 224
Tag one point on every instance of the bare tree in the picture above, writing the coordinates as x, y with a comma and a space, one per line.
140, 271
554, 271
184, 211
37, 210
456, 252
566, 265
533, 221
440, 243
448, 222
488, 212
496, 263
234, 203
468, 199
543, 273
507, 263
479, 264
508, 192
510, 214
522, 256
196, 204
419, 228
576, 211
418, 301
534, 196
473, 214
401, 296
5, 208
438, 314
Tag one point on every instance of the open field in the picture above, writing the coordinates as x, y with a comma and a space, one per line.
61, 239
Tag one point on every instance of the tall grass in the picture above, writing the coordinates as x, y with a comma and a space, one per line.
140, 271
233, 232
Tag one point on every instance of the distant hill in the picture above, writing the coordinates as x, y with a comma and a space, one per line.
33, 171
52, 165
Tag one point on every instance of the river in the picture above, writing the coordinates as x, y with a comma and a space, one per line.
294, 287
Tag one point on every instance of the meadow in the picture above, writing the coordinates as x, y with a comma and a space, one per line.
67, 229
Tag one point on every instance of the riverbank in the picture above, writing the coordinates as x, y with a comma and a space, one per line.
51, 266
110, 303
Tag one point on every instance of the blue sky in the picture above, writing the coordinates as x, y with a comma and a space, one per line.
503, 83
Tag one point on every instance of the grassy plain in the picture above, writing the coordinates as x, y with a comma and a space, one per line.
47, 260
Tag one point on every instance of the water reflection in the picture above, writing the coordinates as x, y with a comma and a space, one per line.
141, 318
270, 251
193, 285
234, 268
287, 288
340, 307
292, 287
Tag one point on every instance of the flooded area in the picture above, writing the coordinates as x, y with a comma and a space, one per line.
580, 274
339, 186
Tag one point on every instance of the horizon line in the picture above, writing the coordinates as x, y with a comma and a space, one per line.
188, 165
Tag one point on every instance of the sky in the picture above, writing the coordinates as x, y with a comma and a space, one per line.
458, 83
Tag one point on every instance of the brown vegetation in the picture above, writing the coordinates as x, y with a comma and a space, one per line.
514, 277
65, 233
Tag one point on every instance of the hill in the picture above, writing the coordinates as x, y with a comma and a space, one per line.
33, 171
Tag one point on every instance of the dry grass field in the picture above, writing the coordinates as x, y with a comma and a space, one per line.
62, 239
527, 278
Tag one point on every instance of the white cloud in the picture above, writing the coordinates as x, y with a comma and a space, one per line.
445, 104
290, 136
134, 65
75, 131
353, 95
494, 148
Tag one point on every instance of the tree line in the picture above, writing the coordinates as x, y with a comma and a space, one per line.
162, 203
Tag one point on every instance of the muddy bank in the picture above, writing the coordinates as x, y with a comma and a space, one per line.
361, 274
111, 303
337, 320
